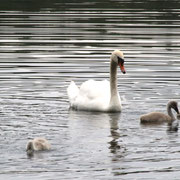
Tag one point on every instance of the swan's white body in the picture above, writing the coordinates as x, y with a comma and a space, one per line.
91, 96
98, 95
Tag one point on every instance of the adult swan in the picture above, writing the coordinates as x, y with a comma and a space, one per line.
99, 95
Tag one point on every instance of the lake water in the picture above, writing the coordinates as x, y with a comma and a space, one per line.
46, 44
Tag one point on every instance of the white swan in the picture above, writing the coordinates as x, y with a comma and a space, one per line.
99, 95
37, 144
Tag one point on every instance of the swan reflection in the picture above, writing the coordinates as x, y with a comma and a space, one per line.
100, 128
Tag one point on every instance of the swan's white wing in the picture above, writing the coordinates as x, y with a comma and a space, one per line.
95, 89
92, 95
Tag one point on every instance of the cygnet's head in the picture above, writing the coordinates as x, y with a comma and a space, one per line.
30, 148
174, 105
118, 57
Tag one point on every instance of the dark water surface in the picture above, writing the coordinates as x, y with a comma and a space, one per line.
46, 44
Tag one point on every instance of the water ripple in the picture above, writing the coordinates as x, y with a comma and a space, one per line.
45, 46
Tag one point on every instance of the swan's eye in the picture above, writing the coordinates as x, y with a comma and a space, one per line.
120, 60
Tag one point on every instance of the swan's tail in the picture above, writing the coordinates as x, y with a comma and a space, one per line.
72, 91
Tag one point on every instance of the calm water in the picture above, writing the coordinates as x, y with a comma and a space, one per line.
46, 44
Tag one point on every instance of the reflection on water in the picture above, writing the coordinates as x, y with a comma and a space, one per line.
46, 44
115, 134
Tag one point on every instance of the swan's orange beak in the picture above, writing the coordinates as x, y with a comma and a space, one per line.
122, 68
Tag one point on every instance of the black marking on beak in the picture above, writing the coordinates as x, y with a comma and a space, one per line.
120, 60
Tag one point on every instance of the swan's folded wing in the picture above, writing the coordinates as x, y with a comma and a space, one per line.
95, 89
92, 95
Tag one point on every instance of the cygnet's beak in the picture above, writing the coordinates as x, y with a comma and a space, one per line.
178, 116
177, 110
122, 68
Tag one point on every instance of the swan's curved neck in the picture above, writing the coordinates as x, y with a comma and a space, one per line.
113, 78
169, 110
113, 84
